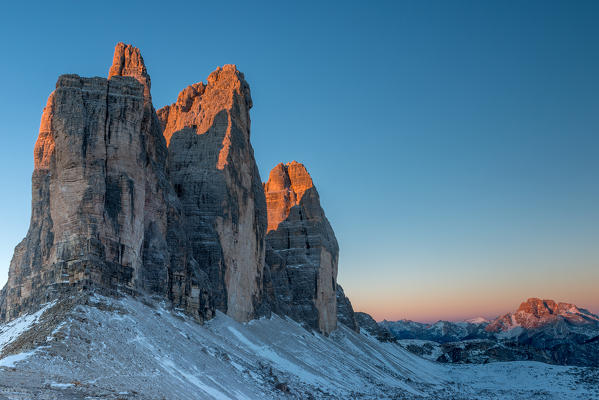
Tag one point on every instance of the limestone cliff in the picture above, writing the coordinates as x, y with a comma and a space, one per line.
345, 310
100, 197
302, 250
127, 199
212, 168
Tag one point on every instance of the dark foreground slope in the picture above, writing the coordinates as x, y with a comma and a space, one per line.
100, 347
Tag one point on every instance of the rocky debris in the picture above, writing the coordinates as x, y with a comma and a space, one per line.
302, 251
366, 322
345, 311
215, 177
123, 348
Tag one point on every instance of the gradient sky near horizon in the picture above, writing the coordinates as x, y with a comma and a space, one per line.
455, 144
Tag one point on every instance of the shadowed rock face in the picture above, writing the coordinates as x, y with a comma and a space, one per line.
101, 201
302, 250
366, 322
212, 168
345, 311
166, 240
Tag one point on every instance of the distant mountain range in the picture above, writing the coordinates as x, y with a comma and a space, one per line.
539, 330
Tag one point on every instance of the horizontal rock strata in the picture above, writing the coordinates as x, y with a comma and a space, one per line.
213, 171
302, 250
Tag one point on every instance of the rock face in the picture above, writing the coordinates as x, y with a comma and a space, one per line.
345, 310
366, 322
100, 197
170, 203
302, 250
214, 174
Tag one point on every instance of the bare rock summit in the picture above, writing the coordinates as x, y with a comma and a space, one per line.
212, 169
101, 201
302, 251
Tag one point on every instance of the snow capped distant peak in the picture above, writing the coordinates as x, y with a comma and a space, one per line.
478, 320
535, 313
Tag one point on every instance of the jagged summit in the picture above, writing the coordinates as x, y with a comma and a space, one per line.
301, 249
285, 188
535, 313
212, 168
540, 330
127, 61
197, 105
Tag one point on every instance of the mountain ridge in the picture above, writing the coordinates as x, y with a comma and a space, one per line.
543, 330
127, 199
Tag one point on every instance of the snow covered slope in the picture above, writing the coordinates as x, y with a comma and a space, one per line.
105, 348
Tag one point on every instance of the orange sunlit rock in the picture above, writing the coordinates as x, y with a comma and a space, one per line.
198, 105
302, 250
285, 188
212, 167
127, 61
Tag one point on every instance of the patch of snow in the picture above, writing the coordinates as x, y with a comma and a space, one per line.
10, 361
478, 320
13, 329
168, 355
56, 385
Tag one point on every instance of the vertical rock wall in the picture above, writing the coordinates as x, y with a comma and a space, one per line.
127, 199
88, 193
169, 265
212, 168
101, 201
302, 250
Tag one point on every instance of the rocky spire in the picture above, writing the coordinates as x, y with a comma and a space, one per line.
302, 250
213, 171
127, 61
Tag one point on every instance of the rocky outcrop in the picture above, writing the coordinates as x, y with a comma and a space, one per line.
366, 322
170, 203
214, 174
302, 250
101, 200
345, 310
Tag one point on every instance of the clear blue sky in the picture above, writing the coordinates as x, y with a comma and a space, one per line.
455, 144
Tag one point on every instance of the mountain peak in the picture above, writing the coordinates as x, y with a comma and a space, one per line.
286, 185
199, 104
477, 320
127, 61
536, 312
